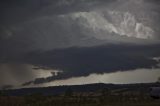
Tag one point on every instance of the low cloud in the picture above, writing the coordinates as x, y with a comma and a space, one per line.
77, 62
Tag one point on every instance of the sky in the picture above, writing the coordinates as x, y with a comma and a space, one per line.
63, 42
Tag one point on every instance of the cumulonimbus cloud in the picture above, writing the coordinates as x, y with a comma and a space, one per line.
79, 36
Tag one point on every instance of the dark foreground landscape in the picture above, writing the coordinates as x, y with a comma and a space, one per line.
82, 95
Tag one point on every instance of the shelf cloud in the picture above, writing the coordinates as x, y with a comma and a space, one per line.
78, 37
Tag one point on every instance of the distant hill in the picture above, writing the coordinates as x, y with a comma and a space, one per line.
57, 90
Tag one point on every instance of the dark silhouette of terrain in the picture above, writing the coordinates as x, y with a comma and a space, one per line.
57, 90
82, 95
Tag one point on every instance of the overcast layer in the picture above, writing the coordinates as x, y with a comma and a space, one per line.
76, 37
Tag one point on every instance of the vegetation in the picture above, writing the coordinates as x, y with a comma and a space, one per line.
69, 92
104, 97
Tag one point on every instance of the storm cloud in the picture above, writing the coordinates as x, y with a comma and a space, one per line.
78, 37
76, 62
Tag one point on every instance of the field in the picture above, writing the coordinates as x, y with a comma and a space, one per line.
104, 97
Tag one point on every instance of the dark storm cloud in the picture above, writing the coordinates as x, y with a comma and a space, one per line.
104, 59
26, 25
18, 10
61, 34
32, 25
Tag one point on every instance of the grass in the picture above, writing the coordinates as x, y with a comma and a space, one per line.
82, 99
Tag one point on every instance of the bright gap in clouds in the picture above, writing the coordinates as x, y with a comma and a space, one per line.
121, 77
